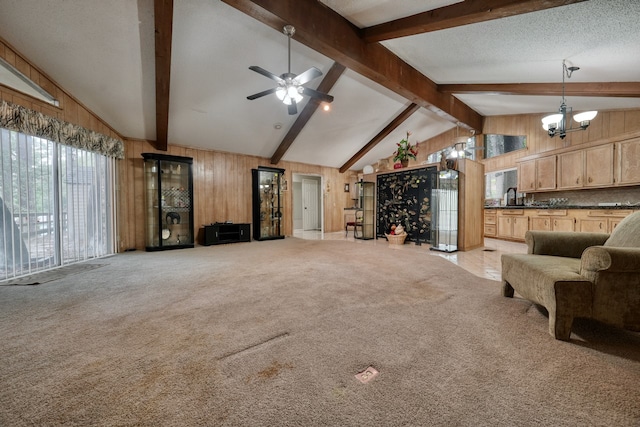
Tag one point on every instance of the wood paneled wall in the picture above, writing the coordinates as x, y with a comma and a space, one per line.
606, 124
471, 207
70, 109
222, 190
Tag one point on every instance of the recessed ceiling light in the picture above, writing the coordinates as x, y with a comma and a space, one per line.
277, 126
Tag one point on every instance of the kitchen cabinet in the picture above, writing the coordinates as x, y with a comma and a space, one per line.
546, 173
605, 164
512, 224
552, 220
490, 219
537, 174
598, 166
628, 162
601, 220
527, 176
590, 167
571, 170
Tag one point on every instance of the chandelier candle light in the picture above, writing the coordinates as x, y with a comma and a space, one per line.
556, 124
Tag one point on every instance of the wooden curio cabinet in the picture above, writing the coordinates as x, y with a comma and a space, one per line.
169, 202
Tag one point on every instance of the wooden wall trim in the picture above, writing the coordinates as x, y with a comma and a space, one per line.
70, 109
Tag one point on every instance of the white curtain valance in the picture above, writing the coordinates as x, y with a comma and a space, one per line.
20, 119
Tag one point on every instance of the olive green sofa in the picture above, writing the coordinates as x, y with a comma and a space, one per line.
571, 274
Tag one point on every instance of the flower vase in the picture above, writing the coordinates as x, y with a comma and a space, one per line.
404, 163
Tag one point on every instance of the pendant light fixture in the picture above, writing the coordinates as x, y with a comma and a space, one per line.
556, 124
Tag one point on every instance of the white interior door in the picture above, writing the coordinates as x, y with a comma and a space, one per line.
310, 217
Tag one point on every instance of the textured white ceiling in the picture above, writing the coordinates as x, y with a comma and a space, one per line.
102, 51
366, 13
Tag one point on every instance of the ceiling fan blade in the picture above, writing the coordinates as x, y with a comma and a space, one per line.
263, 93
266, 73
308, 75
318, 95
292, 108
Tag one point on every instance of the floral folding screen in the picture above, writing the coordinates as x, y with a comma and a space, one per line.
404, 197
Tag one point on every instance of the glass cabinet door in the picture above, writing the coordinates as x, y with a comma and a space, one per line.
367, 206
267, 208
152, 202
169, 201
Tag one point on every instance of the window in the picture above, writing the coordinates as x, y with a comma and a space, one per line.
497, 183
56, 204
496, 145
467, 149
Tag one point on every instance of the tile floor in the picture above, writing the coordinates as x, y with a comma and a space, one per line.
483, 262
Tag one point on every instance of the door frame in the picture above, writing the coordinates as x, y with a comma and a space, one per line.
297, 177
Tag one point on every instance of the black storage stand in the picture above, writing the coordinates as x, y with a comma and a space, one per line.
222, 232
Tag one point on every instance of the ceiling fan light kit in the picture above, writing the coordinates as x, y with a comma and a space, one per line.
290, 86
556, 124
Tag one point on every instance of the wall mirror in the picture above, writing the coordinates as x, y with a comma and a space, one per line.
496, 145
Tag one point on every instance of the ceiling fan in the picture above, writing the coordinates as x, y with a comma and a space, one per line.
290, 86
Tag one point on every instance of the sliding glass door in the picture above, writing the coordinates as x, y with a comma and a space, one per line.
56, 204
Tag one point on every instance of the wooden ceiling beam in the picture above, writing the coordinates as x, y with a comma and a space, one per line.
325, 31
163, 11
325, 86
397, 121
455, 15
607, 89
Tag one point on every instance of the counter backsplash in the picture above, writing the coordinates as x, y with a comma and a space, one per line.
624, 196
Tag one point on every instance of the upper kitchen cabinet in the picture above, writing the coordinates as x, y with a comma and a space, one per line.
590, 167
628, 162
537, 174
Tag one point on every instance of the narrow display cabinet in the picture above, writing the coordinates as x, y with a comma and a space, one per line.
367, 207
169, 201
444, 212
267, 203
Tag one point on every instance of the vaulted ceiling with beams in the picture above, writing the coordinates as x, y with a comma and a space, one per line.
177, 72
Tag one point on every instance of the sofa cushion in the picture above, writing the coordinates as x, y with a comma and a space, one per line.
534, 276
627, 233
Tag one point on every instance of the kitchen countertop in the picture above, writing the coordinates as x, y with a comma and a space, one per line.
635, 206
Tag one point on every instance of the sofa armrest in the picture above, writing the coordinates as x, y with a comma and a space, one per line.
562, 243
611, 259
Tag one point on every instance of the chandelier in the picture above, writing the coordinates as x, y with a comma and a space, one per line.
556, 124
458, 150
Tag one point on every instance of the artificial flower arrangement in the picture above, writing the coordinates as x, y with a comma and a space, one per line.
405, 150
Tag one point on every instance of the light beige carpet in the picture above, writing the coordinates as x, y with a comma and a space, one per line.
273, 333
49, 275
